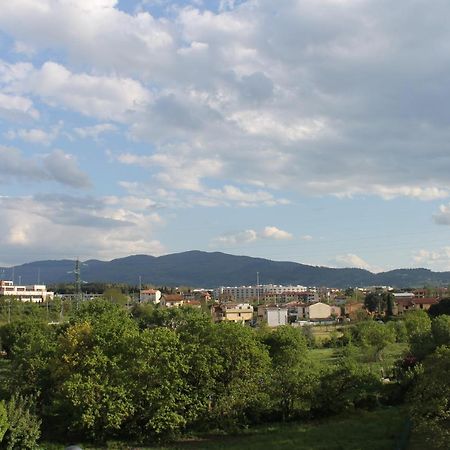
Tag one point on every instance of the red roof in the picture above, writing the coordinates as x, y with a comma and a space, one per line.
425, 301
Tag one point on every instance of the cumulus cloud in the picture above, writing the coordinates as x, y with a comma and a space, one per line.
315, 99
35, 135
55, 166
95, 131
16, 107
48, 226
250, 235
443, 216
438, 259
352, 260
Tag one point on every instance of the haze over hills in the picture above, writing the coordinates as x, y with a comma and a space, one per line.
210, 269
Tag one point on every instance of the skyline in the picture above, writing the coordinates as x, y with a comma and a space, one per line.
307, 131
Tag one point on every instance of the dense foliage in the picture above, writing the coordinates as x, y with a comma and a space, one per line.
149, 374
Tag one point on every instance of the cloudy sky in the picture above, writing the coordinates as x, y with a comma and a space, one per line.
316, 131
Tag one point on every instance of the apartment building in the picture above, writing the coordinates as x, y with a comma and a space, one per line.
35, 293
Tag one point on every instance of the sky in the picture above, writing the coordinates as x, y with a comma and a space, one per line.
315, 131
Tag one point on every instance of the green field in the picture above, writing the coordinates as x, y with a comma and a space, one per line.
378, 430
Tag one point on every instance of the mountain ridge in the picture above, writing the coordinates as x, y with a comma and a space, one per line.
210, 269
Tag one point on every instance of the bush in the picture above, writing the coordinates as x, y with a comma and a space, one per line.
24, 427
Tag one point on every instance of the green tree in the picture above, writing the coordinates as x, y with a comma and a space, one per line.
443, 307
293, 377
158, 382
346, 386
374, 337
116, 296
440, 328
375, 302
23, 424
4, 424
430, 400
91, 370
240, 388
418, 327
31, 345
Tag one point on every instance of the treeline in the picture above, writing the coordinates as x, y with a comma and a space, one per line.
151, 374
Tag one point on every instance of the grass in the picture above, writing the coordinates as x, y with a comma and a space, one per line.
376, 430
366, 430
391, 353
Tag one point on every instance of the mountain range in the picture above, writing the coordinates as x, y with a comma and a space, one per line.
211, 269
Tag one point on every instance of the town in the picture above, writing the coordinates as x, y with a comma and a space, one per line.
269, 304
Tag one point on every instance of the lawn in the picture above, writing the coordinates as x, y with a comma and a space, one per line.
377, 430
366, 430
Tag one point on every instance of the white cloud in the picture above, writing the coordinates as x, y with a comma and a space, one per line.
438, 259
352, 260
271, 232
55, 166
36, 135
250, 235
95, 131
443, 216
48, 226
16, 106
315, 99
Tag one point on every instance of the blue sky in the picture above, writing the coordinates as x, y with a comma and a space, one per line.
310, 130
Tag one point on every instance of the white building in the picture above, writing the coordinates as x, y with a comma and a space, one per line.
30, 293
240, 293
274, 316
150, 296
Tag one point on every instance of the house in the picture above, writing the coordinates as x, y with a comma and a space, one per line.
404, 305
351, 309
193, 303
232, 312
318, 311
150, 296
35, 293
273, 315
171, 300
298, 311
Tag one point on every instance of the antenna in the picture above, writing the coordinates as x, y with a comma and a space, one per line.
13, 271
39, 276
78, 281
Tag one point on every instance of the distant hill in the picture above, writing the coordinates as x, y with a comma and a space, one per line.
210, 269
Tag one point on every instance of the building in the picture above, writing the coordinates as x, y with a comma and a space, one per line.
291, 296
171, 300
413, 304
298, 311
351, 309
35, 293
273, 315
150, 296
232, 312
245, 293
